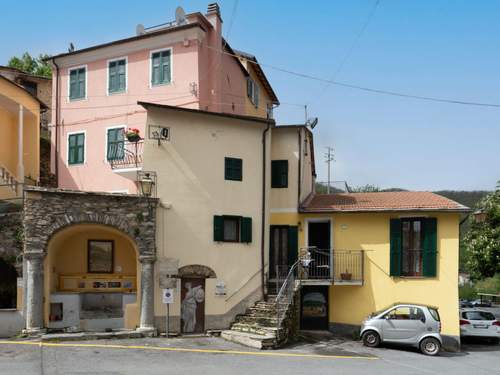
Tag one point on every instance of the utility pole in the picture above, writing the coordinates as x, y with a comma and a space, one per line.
328, 159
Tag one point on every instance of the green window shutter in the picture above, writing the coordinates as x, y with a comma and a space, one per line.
76, 148
218, 228
72, 84
293, 244
233, 169
112, 77
81, 83
256, 96
396, 247
279, 173
246, 229
122, 76
117, 76
77, 84
155, 68
429, 258
165, 67
115, 144
249, 88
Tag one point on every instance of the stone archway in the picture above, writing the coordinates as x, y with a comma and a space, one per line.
197, 271
49, 211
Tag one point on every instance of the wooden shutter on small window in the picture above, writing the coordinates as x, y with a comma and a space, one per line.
429, 257
293, 244
395, 246
246, 230
218, 228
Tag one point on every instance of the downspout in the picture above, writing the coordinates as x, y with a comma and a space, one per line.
56, 151
300, 168
263, 219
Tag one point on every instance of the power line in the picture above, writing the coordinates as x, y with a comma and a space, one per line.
365, 88
351, 48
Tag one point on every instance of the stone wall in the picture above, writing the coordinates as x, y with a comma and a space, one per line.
46, 211
11, 235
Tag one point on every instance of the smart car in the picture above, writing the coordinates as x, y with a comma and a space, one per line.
407, 324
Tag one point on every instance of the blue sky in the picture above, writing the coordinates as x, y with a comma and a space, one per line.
440, 48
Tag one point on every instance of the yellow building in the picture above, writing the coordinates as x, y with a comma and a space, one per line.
20, 141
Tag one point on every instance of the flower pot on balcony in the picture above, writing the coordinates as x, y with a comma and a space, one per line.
346, 276
133, 135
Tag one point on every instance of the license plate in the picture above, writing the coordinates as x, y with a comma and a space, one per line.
480, 326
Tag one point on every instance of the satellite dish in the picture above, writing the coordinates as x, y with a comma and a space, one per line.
139, 29
180, 16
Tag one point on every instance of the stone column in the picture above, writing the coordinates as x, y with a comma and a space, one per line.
20, 140
147, 292
34, 292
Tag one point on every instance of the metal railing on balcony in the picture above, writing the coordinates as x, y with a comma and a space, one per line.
338, 266
126, 155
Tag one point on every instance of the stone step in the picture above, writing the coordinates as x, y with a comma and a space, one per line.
265, 321
253, 328
251, 340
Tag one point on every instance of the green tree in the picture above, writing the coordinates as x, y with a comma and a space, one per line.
31, 65
482, 241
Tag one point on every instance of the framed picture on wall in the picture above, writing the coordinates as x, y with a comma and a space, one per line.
100, 256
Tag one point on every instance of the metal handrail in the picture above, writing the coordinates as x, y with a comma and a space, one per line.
285, 294
126, 155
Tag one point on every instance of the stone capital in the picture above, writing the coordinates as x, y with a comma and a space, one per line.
147, 258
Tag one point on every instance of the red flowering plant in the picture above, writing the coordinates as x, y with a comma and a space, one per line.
133, 135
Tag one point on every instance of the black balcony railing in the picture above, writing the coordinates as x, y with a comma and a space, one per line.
126, 155
338, 266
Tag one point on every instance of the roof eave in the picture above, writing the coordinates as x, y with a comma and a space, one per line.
378, 210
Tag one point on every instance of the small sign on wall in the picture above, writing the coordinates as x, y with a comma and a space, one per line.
220, 288
168, 295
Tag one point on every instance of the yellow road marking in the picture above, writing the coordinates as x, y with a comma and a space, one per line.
189, 350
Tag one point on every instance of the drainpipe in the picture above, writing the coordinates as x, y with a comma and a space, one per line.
300, 167
56, 151
263, 224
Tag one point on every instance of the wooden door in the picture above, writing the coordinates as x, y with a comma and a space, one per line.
192, 305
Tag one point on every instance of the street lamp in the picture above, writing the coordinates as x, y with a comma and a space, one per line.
146, 183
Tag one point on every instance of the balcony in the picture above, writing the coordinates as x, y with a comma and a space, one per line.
328, 266
126, 157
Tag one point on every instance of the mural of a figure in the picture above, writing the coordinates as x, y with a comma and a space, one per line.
193, 297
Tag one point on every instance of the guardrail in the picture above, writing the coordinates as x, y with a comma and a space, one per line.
126, 155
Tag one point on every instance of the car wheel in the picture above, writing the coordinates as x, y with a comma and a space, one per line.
430, 346
371, 339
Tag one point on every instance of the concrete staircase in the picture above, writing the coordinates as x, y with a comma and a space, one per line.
258, 327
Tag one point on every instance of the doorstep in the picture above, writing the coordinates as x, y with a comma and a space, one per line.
80, 336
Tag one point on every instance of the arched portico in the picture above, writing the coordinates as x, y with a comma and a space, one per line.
88, 242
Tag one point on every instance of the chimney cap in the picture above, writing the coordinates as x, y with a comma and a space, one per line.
213, 8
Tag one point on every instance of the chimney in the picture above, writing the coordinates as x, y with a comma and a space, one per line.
213, 8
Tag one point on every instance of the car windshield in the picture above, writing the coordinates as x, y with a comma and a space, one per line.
435, 314
478, 315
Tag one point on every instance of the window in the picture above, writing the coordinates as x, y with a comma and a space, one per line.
115, 144
161, 67
76, 148
77, 83
279, 173
100, 256
117, 76
233, 169
253, 91
413, 247
478, 315
406, 313
232, 229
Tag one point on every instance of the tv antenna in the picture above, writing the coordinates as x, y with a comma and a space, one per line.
180, 16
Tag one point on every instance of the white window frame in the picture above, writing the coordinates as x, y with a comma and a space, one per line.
106, 137
321, 219
84, 132
151, 86
255, 88
126, 75
69, 83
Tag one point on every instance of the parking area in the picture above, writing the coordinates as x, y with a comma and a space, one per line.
316, 353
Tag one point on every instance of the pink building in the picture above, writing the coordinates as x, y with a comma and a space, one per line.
95, 93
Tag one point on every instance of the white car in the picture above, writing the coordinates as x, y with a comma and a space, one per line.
479, 323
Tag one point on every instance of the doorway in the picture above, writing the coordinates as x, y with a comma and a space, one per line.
319, 234
314, 308
192, 305
283, 250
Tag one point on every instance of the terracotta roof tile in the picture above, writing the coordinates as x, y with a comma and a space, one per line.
383, 201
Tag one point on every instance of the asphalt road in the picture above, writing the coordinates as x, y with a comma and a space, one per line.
209, 356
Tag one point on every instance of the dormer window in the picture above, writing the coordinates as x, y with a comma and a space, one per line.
253, 92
